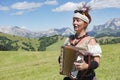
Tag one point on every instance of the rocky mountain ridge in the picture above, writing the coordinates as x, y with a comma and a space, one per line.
109, 28
15, 30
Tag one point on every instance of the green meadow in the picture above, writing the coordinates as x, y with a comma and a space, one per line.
43, 65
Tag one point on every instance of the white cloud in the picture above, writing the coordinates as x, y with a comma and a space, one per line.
26, 5
51, 2
95, 4
69, 6
100, 4
18, 13
4, 8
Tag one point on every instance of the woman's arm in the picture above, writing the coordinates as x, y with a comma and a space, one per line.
96, 58
93, 64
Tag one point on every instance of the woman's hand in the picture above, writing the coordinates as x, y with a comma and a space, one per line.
81, 66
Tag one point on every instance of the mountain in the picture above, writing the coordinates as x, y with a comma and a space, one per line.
112, 24
63, 31
15, 30
110, 28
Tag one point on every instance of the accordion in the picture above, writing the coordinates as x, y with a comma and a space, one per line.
70, 54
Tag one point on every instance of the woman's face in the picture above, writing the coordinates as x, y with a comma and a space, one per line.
79, 25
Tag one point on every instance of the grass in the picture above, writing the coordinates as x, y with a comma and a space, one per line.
109, 68
21, 65
28, 65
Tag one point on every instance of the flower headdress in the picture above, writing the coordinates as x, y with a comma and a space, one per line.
84, 7
82, 11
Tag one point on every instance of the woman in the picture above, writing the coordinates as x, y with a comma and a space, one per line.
81, 39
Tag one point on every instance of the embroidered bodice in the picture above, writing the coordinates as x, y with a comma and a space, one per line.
95, 50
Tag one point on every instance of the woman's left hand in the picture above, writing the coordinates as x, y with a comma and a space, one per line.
81, 66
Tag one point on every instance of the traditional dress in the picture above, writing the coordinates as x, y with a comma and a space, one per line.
94, 50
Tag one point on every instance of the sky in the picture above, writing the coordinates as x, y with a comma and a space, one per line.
42, 15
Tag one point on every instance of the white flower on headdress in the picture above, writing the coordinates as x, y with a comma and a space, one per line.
84, 7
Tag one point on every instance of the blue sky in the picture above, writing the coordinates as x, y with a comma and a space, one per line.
39, 15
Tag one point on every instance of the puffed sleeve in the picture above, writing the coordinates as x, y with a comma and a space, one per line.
95, 50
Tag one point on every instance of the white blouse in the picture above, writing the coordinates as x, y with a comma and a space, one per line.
95, 50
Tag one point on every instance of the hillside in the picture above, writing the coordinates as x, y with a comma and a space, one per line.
12, 42
19, 65
18, 43
56, 45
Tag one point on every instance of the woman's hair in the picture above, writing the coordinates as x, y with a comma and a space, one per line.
88, 15
84, 10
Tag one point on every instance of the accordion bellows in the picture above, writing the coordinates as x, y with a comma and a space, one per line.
68, 56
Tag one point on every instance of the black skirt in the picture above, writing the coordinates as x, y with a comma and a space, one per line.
86, 75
